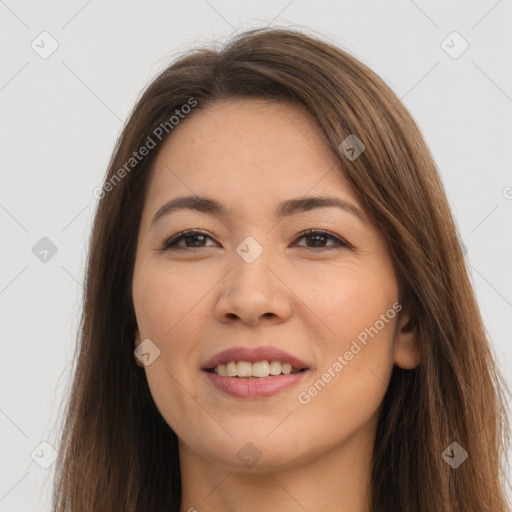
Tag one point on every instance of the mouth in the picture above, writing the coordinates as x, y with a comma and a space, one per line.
257, 362
255, 372
258, 370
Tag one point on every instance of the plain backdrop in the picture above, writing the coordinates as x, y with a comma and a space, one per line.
61, 113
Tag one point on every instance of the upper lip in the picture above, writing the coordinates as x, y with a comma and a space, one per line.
253, 355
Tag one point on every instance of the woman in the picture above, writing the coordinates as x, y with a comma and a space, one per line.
274, 250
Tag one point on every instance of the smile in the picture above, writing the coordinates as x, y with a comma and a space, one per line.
257, 370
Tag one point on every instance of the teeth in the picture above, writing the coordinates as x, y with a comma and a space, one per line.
231, 369
244, 369
275, 368
260, 369
286, 368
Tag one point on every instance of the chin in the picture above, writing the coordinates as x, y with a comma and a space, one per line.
255, 452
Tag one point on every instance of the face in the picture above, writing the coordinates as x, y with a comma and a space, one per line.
252, 279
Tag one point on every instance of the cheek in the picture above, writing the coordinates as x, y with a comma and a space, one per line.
345, 392
356, 352
347, 300
163, 299
167, 308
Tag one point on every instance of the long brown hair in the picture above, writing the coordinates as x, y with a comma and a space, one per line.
118, 454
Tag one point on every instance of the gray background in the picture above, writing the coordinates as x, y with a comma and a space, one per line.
60, 117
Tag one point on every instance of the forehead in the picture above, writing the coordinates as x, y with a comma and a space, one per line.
247, 149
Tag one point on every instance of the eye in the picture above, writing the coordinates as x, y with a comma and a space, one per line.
198, 238
316, 235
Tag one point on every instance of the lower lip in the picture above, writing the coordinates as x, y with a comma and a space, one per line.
255, 388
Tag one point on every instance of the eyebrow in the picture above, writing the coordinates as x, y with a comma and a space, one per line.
284, 208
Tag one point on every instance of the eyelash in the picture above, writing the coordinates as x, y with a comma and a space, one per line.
171, 244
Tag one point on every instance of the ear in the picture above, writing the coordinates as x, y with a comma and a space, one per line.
407, 350
137, 343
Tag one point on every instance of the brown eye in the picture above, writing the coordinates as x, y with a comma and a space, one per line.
193, 239
319, 238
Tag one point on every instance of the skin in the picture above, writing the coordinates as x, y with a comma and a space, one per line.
306, 296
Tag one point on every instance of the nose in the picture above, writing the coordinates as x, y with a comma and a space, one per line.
255, 292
